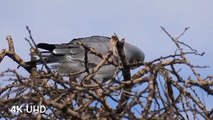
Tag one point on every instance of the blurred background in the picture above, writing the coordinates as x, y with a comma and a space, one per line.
137, 21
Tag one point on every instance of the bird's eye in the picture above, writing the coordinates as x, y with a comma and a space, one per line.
138, 60
134, 61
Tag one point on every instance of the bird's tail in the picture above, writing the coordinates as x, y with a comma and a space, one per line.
46, 54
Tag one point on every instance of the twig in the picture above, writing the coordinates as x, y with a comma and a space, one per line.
37, 51
11, 53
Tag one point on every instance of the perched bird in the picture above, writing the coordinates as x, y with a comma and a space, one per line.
68, 58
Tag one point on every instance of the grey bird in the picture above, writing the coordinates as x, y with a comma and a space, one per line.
68, 58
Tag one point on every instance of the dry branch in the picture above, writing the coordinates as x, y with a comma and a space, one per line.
11, 53
157, 91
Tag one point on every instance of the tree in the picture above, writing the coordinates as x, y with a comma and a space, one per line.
157, 91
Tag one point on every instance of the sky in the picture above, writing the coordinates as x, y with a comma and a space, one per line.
138, 21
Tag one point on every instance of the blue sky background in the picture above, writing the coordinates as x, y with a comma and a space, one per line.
138, 21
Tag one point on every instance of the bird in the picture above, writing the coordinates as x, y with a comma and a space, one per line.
68, 58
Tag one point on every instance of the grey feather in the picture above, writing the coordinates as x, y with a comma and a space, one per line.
69, 57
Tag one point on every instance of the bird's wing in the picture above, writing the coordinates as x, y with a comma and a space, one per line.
71, 56
99, 43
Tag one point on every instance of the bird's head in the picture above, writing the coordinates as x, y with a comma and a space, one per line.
133, 54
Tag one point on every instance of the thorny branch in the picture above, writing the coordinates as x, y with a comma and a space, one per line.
157, 91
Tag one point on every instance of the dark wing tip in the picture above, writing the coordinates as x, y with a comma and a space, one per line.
46, 46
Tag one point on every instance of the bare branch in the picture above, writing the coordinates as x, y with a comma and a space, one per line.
158, 90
